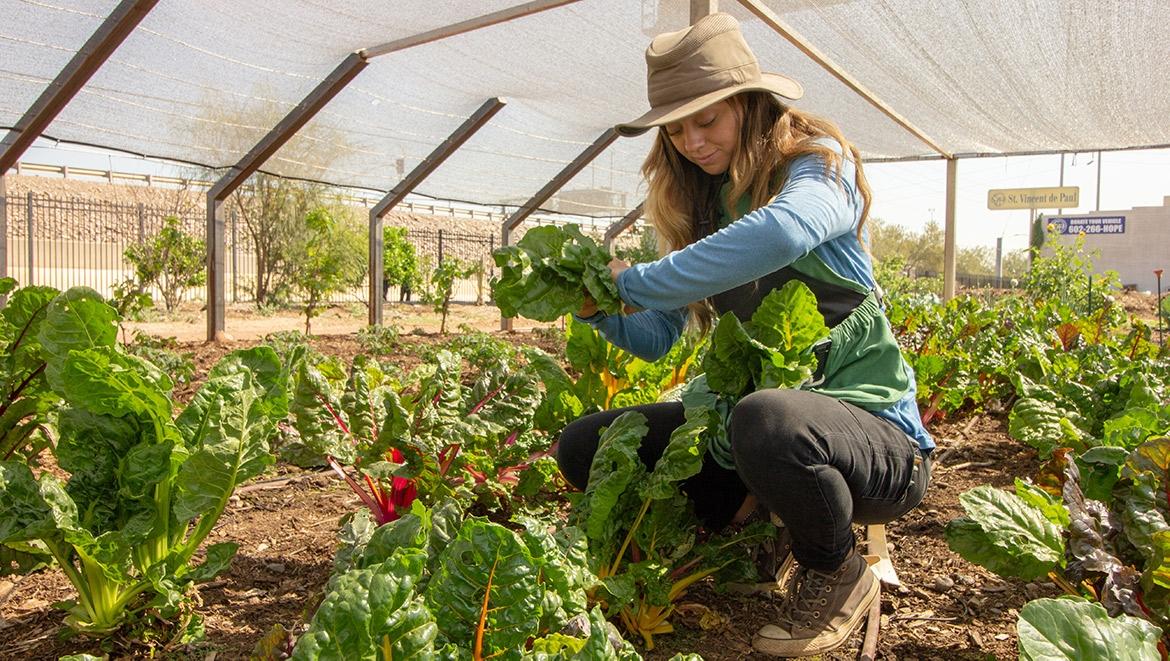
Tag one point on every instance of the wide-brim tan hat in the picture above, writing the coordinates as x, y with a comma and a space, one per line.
705, 63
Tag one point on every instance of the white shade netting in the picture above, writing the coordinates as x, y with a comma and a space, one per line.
203, 81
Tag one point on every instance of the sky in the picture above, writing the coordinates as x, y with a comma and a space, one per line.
910, 194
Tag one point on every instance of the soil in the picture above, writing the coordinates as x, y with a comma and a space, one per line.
285, 523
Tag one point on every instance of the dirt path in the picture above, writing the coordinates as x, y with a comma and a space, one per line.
245, 323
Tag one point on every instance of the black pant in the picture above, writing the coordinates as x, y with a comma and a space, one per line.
816, 462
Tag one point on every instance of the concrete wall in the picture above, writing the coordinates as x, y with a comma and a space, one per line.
1135, 254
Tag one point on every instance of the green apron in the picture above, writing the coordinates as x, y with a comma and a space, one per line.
863, 364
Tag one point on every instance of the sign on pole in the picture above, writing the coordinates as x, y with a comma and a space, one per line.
1062, 197
1088, 224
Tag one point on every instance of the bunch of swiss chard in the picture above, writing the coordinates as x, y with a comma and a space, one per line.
644, 540
435, 438
548, 272
434, 584
145, 488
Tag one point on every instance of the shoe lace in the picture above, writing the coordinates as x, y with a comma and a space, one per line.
806, 596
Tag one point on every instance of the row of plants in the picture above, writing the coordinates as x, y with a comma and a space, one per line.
1088, 387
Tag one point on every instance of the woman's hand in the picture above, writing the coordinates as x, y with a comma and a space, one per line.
588, 308
616, 266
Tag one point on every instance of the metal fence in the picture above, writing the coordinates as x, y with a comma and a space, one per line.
67, 242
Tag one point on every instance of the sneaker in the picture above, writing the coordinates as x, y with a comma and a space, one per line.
821, 609
774, 562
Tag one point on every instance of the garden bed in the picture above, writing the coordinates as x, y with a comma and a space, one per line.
286, 520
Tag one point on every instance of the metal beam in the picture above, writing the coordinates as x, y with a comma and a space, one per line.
411, 181
576, 165
469, 25
773, 20
112, 32
328, 88
622, 225
949, 238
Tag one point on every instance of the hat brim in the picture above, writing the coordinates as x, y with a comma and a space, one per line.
782, 86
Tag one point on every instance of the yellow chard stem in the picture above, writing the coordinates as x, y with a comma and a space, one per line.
629, 537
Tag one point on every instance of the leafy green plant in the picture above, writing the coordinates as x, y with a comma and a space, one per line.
442, 286
399, 259
547, 274
1073, 629
379, 339
480, 349
172, 261
144, 489
164, 353
642, 533
439, 585
1111, 551
1065, 273
329, 260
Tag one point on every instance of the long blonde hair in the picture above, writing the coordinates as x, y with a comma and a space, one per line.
682, 202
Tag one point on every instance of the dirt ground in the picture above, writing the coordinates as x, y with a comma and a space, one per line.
244, 322
285, 523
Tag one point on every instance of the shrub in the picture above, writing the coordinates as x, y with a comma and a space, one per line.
172, 261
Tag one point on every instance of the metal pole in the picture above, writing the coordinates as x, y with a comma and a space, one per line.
216, 321
475, 122
612, 232
949, 246
1097, 205
999, 262
1158, 304
701, 8
235, 261
1060, 211
141, 223
3, 226
31, 231
440, 247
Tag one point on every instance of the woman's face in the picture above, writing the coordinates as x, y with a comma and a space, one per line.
709, 137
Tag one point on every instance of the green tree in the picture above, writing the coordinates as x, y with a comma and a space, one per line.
330, 259
172, 261
399, 260
271, 210
443, 285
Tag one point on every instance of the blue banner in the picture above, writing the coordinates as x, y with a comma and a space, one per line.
1088, 224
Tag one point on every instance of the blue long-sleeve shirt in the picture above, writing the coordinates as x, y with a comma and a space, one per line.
815, 211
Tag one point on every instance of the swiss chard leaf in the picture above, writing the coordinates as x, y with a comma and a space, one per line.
485, 594
78, 319
373, 613
1005, 534
1074, 629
